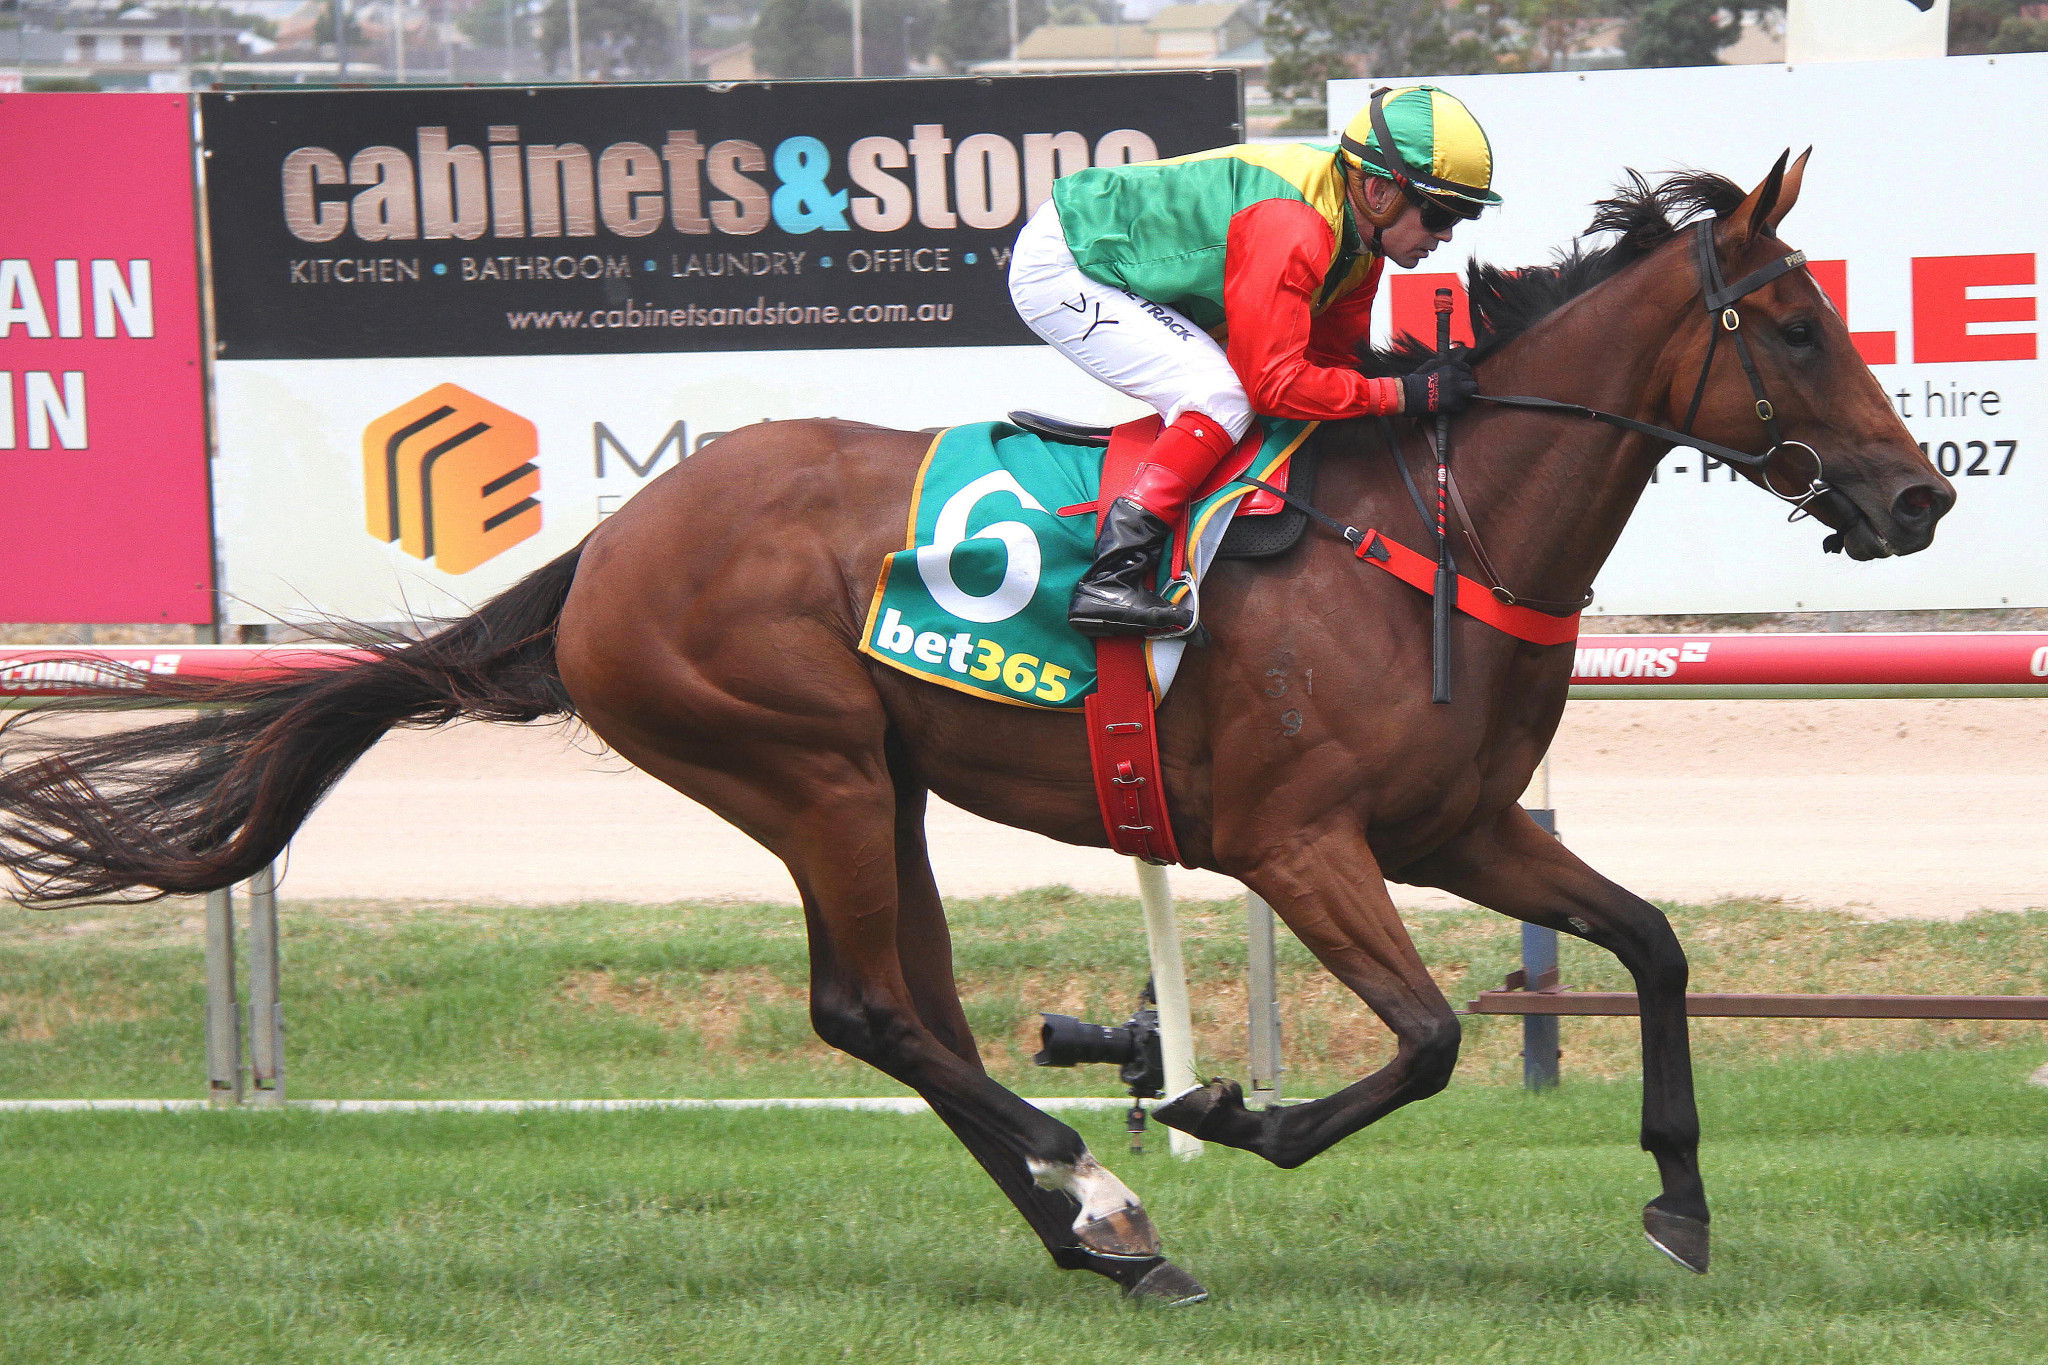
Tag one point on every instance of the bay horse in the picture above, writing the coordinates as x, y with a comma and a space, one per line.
707, 631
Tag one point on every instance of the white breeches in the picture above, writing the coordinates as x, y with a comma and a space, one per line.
1138, 347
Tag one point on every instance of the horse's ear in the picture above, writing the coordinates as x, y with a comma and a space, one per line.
1788, 193
1752, 217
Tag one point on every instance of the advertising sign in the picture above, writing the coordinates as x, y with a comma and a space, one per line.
103, 507
1864, 30
1940, 292
456, 327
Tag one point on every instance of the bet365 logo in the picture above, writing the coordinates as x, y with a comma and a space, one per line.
450, 477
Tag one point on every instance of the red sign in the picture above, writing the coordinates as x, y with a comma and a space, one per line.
103, 498
2014, 661
1943, 310
39, 671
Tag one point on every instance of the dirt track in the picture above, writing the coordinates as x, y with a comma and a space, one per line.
1888, 807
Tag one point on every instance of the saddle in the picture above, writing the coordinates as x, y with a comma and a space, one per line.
1123, 746
1264, 525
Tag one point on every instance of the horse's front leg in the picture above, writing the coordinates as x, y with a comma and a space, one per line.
1330, 892
1512, 866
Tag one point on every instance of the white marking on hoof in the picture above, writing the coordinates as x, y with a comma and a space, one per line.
1111, 1221
1088, 1180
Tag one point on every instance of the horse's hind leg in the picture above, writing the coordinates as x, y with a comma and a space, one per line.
924, 948
1515, 868
1328, 889
828, 809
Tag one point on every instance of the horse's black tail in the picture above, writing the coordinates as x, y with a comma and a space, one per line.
201, 802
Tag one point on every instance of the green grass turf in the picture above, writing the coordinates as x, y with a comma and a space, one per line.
1868, 1210
401, 1000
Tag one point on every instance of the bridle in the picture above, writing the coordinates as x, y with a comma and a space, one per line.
1720, 298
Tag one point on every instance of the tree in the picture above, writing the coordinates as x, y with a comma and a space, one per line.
795, 38
1309, 43
1977, 26
1314, 41
1550, 31
624, 38
484, 22
1678, 32
1974, 24
323, 28
1473, 43
815, 37
2019, 34
979, 30
895, 33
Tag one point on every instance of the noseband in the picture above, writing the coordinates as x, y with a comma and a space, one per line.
1720, 299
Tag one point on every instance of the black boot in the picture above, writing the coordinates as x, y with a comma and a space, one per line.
1115, 596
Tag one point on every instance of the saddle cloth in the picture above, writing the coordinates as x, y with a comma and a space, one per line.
1001, 527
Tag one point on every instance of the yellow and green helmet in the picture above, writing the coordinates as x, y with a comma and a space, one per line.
1440, 153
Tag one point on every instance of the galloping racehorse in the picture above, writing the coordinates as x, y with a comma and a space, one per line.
708, 632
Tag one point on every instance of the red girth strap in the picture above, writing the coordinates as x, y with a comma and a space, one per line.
1474, 599
1123, 747
1123, 741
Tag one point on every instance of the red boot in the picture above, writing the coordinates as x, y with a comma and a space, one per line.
1116, 596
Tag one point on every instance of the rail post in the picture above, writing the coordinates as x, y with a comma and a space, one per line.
266, 1015
1170, 990
1539, 960
1262, 1001
223, 1018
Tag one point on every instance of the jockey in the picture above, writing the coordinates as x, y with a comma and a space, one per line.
1240, 281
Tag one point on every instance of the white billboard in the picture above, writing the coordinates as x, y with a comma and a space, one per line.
1925, 212
289, 494
1864, 30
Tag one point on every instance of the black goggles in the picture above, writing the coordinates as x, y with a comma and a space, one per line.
1435, 217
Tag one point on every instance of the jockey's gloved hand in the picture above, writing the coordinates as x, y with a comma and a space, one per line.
1439, 386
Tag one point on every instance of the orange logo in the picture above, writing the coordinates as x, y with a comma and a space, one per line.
450, 477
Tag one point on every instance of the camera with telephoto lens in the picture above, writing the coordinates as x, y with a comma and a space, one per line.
1132, 1047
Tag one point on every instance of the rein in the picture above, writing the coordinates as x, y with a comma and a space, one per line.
1419, 571
1720, 299
1553, 622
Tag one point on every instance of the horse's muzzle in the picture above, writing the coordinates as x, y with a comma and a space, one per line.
1914, 513
1904, 527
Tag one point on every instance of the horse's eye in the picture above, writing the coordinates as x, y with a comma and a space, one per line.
1799, 333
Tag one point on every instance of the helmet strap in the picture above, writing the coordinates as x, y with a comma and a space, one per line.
1386, 217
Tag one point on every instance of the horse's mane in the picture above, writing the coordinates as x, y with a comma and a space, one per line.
1506, 303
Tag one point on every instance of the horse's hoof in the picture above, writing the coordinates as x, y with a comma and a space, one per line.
1681, 1238
1205, 1111
1168, 1284
1126, 1235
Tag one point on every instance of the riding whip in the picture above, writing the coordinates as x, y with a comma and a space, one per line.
1446, 593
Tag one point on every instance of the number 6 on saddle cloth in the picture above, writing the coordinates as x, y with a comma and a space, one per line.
1001, 527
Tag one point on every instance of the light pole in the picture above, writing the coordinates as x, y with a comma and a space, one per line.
398, 40
575, 42
1013, 37
858, 72
683, 33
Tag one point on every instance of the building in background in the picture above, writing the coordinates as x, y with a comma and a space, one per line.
138, 48
1174, 37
